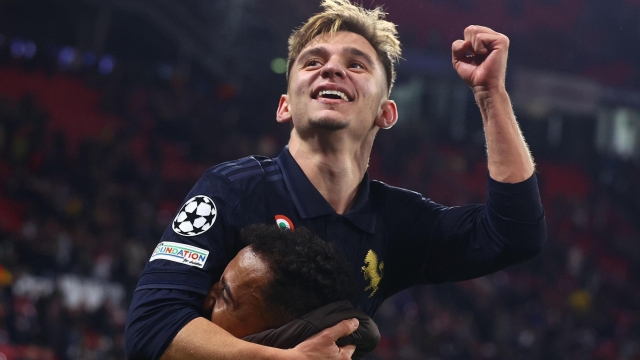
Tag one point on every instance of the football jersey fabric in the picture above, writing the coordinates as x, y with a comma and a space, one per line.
394, 238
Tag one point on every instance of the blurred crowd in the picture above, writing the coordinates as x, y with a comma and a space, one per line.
590, 38
93, 167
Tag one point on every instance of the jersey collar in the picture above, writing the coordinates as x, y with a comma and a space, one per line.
310, 203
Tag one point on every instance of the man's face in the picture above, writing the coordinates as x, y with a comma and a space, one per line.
337, 82
237, 300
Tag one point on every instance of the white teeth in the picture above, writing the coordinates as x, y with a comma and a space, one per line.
334, 92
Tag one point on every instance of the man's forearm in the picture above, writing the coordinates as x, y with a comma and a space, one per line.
481, 61
509, 159
202, 339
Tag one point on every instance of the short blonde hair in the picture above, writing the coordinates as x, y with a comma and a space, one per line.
342, 15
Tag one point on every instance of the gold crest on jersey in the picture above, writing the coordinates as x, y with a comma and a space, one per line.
373, 271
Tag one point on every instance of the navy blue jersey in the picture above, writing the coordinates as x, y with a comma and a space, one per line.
394, 238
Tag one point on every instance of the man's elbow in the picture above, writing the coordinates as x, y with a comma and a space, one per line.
532, 243
132, 347
154, 319
137, 344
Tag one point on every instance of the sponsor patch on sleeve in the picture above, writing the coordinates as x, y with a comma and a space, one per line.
180, 253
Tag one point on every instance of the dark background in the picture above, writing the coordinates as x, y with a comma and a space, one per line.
111, 110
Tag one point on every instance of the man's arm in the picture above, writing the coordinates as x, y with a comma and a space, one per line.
154, 312
466, 242
481, 61
436, 243
202, 339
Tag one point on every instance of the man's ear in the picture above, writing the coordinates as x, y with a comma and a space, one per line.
283, 114
388, 115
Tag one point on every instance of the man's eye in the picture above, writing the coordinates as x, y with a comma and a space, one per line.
356, 65
312, 63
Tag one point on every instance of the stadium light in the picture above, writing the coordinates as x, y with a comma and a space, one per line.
30, 49
17, 48
106, 64
66, 56
279, 65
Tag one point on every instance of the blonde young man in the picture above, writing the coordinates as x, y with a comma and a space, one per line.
340, 74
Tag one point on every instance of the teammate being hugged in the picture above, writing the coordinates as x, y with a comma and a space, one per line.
341, 69
290, 285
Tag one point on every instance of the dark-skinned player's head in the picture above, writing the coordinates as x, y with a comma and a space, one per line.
280, 275
307, 272
342, 15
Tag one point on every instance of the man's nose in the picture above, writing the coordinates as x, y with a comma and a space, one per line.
333, 69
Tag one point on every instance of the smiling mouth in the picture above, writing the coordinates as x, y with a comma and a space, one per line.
332, 94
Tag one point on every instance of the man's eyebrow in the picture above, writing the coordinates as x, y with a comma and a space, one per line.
322, 51
314, 51
228, 290
353, 51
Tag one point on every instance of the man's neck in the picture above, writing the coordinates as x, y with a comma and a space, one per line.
334, 168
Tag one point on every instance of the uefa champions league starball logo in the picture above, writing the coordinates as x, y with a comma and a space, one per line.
195, 217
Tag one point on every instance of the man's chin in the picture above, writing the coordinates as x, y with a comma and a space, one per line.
328, 124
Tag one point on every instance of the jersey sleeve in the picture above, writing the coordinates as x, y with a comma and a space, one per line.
155, 317
465, 242
193, 251
199, 242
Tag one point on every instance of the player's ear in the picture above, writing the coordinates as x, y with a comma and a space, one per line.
283, 114
388, 115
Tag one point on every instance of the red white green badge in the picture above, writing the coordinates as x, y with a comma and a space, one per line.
284, 222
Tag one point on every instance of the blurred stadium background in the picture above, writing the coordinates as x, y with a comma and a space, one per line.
111, 110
